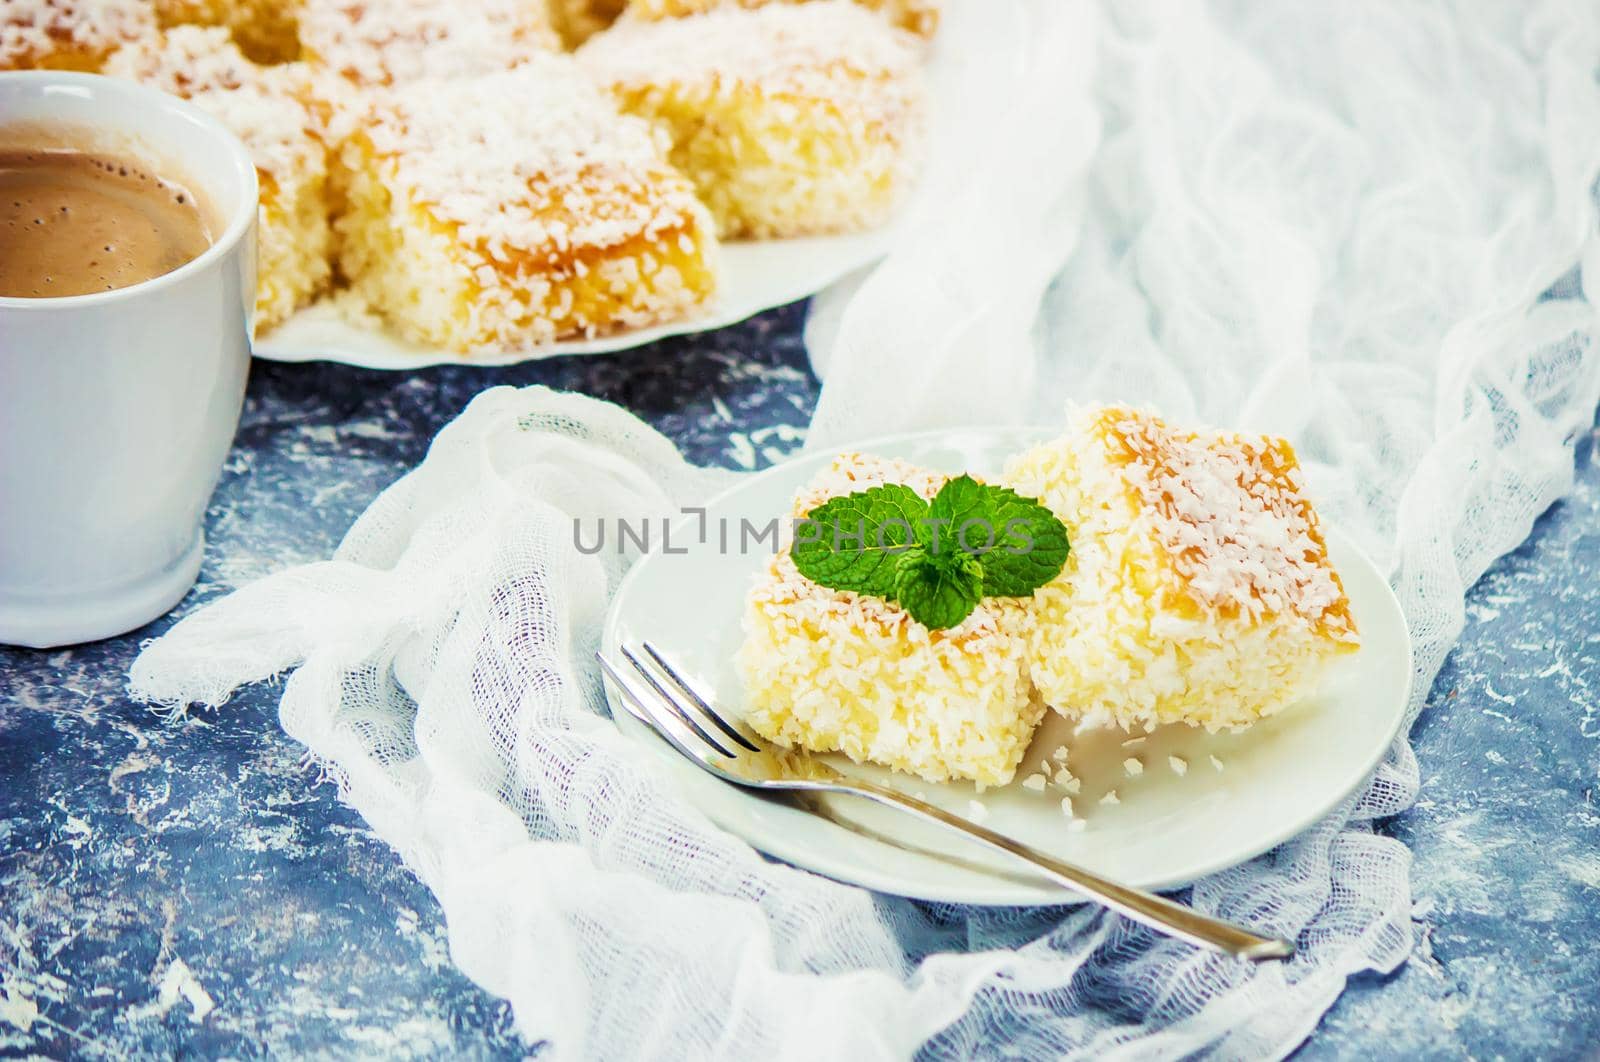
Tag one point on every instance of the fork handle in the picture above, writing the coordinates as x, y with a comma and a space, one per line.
1147, 908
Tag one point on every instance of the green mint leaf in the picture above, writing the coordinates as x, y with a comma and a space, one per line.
853, 542
961, 519
939, 591
936, 560
1030, 546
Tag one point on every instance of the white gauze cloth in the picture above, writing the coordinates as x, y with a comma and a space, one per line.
1354, 224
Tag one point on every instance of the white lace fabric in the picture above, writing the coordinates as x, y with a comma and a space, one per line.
1367, 226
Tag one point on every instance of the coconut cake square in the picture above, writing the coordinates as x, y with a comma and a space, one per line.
832, 670
515, 209
1198, 589
790, 119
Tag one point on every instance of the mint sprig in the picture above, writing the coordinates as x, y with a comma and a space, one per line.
939, 590
853, 542
1031, 548
936, 560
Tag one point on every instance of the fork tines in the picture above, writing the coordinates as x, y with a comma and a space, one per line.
668, 701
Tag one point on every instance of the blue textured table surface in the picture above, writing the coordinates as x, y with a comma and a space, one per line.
189, 887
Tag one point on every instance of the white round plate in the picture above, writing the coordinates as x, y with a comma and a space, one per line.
1276, 779
754, 276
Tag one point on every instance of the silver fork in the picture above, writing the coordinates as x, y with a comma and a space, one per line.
669, 704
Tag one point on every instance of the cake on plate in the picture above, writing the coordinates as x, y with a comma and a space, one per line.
1152, 575
1198, 589
442, 170
517, 208
832, 670
790, 119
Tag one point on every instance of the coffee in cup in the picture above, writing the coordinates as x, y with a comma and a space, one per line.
73, 222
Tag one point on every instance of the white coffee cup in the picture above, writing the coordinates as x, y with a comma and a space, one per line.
118, 408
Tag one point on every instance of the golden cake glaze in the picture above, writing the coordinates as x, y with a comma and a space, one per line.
1238, 535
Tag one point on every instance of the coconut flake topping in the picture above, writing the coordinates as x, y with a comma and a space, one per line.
382, 42
783, 49
1230, 513
35, 28
534, 159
